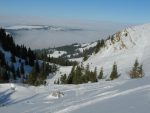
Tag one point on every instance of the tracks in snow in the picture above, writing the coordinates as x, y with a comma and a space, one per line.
104, 96
81, 97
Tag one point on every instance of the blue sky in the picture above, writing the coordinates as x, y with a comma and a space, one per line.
124, 11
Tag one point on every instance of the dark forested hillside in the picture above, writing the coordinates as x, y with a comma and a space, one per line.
20, 56
22, 52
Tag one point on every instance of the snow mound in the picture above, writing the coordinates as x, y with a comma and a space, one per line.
12, 86
55, 95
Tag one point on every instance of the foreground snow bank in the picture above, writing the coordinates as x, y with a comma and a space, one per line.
119, 96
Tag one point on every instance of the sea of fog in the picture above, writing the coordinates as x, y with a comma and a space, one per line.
41, 38
45, 38
37, 39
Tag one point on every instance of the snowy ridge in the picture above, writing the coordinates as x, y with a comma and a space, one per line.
125, 47
44, 27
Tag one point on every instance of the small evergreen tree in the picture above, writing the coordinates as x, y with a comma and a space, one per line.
137, 70
85, 56
95, 75
13, 58
114, 73
70, 77
37, 67
31, 79
63, 79
100, 76
22, 69
77, 75
13, 71
87, 74
92, 77
141, 71
100, 44
18, 72
97, 48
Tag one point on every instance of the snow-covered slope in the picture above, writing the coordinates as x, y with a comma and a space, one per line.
123, 49
57, 54
86, 46
118, 96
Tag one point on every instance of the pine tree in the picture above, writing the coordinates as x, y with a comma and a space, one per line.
97, 48
141, 71
6, 75
70, 77
137, 70
100, 44
95, 75
114, 73
37, 67
31, 79
13, 58
18, 72
100, 76
85, 56
87, 74
77, 75
63, 79
22, 69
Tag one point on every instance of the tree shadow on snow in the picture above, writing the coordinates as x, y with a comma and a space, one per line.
5, 97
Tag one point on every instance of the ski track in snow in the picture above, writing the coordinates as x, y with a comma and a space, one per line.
96, 95
77, 96
107, 95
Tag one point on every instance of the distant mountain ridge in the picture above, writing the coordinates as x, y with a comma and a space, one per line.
40, 27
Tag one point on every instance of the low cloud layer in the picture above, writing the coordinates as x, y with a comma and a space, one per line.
37, 39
